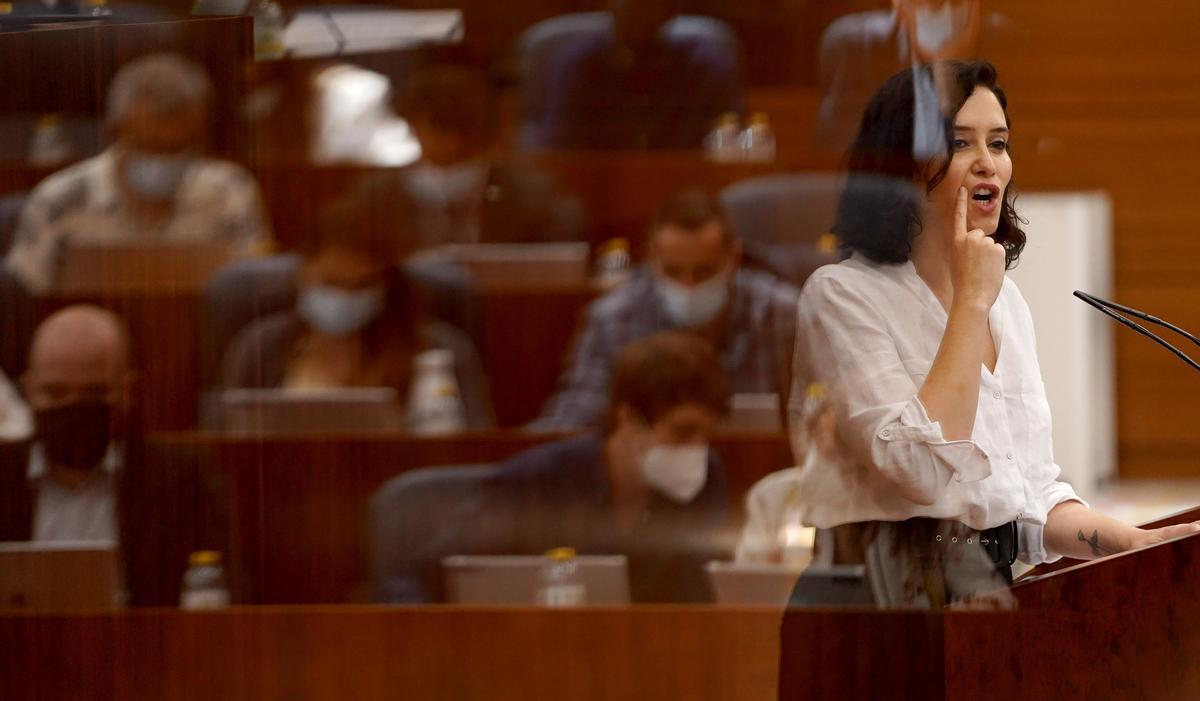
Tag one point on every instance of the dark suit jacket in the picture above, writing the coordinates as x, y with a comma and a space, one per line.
163, 515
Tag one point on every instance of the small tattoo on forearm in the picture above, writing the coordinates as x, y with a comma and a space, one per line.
1094, 543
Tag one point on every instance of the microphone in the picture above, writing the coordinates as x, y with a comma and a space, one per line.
1107, 307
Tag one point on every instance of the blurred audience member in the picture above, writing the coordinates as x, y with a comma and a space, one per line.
153, 185
860, 51
465, 194
647, 486
78, 382
83, 476
357, 320
650, 79
692, 281
15, 421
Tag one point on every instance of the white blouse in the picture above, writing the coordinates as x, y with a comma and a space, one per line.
869, 332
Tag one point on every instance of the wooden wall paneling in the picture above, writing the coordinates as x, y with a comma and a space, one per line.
68, 70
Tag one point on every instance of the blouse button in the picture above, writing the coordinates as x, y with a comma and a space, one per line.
996, 394
885, 432
1008, 455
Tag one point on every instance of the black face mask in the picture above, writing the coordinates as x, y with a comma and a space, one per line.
75, 435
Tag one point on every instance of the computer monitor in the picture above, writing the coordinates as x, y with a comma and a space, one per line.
276, 410
766, 584
59, 576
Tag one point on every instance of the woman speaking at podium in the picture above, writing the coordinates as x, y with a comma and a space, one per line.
943, 473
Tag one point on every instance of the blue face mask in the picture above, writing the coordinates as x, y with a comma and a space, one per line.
334, 311
694, 306
156, 177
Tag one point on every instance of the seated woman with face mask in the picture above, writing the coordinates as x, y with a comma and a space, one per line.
357, 321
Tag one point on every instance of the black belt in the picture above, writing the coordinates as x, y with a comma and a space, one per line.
1000, 543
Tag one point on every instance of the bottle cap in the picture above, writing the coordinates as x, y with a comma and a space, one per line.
95, 3
561, 554
201, 558
617, 244
50, 118
816, 391
759, 118
727, 118
827, 242
6, 8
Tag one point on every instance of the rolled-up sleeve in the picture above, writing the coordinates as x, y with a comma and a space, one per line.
1031, 546
874, 396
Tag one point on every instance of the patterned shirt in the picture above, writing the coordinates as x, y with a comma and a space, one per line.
756, 348
217, 202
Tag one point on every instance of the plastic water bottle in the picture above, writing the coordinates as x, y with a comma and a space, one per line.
561, 581
204, 584
49, 147
612, 263
97, 8
757, 141
269, 24
721, 144
434, 404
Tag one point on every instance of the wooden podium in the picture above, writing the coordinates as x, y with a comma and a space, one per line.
1122, 627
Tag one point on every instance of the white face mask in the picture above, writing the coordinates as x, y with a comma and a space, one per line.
677, 472
156, 177
441, 185
690, 307
337, 312
935, 27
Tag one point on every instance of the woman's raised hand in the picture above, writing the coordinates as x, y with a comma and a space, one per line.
977, 270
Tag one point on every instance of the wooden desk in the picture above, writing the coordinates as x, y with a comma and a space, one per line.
298, 506
369, 653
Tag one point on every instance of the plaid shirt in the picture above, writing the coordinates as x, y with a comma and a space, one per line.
216, 202
756, 349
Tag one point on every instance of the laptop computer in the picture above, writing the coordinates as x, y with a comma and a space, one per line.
59, 576
754, 411
515, 579
516, 263
275, 410
765, 584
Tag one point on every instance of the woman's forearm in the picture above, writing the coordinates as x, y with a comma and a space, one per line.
1075, 531
950, 393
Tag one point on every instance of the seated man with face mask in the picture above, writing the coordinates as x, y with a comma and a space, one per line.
358, 321
82, 476
692, 281
464, 192
646, 487
152, 186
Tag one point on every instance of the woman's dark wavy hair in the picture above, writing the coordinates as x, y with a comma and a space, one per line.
878, 214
